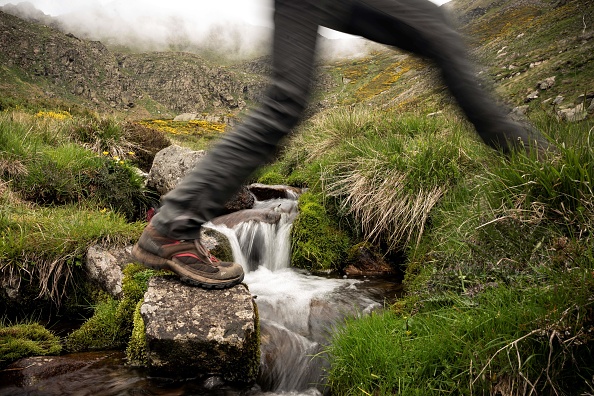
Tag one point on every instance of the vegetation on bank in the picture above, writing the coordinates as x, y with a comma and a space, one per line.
499, 286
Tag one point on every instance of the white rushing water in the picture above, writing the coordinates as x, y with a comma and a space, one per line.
296, 309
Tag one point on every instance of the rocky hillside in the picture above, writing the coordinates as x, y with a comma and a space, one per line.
39, 62
538, 53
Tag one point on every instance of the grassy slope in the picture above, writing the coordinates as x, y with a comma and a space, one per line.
500, 278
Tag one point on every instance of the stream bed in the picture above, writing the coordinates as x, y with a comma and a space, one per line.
297, 313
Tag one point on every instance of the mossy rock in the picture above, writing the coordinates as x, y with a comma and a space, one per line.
25, 340
318, 244
111, 325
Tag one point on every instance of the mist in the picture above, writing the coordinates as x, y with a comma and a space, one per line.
232, 29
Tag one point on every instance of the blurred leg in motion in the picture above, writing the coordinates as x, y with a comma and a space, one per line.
417, 26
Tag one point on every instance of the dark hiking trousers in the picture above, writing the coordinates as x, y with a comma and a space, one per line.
417, 26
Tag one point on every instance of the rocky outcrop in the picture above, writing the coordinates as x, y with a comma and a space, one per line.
101, 79
192, 332
203, 86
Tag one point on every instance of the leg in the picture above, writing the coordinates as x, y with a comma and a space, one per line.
203, 192
420, 27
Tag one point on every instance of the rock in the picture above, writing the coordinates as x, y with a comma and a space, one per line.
191, 331
546, 83
363, 261
269, 216
264, 192
531, 96
573, 114
558, 100
170, 165
520, 110
30, 371
244, 199
584, 97
591, 107
185, 117
104, 266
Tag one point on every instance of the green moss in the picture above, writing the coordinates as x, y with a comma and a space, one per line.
24, 340
112, 323
318, 244
137, 350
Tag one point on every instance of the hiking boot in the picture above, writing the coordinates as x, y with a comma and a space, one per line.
189, 259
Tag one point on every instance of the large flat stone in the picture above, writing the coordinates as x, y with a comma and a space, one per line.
193, 332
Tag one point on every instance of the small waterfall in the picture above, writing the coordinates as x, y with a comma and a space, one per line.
296, 309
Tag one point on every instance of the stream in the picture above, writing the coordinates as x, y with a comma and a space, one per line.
297, 312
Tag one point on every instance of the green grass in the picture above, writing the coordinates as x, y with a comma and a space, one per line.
535, 338
385, 170
498, 289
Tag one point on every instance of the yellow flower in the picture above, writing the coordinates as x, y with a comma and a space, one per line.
116, 159
103, 210
121, 162
106, 153
131, 153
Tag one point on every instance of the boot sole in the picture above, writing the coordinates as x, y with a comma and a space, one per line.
159, 263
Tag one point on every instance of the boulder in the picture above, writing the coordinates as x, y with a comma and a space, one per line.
105, 265
573, 114
192, 332
171, 165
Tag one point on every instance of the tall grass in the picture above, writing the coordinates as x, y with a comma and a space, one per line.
384, 169
499, 288
44, 245
507, 341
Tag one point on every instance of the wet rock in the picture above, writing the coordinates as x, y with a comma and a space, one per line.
244, 199
33, 370
287, 362
364, 261
269, 216
105, 265
264, 192
191, 331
